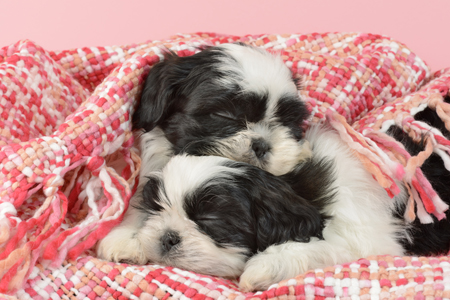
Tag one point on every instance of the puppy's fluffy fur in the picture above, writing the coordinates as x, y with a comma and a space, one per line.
228, 217
221, 217
231, 100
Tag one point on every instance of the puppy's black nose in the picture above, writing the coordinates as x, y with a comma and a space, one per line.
260, 147
169, 240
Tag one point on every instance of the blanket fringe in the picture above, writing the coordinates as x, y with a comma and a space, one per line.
389, 162
93, 213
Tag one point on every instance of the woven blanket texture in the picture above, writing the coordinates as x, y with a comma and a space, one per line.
66, 115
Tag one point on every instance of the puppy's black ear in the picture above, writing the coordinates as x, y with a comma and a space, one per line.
283, 216
280, 215
159, 95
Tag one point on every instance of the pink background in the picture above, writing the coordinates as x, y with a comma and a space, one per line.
62, 24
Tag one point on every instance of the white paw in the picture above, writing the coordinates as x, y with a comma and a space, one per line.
121, 245
265, 269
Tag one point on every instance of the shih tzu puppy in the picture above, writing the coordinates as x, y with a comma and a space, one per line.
220, 217
232, 100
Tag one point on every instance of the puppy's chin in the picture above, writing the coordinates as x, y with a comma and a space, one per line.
279, 161
198, 253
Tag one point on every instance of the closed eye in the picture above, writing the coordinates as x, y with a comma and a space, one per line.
211, 218
224, 115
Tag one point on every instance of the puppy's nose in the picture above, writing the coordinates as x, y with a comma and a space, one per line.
260, 147
169, 240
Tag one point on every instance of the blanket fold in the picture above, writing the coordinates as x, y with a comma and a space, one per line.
65, 117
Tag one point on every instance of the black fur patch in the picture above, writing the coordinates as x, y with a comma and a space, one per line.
222, 211
151, 201
170, 82
430, 116
291, 112
312, 180
428, 239
256, 209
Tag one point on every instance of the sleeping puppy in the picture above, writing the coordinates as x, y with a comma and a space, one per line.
231, 100
220, 217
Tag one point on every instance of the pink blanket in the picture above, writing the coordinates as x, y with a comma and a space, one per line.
64, 116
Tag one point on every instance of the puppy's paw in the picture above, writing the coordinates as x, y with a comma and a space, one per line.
122, 245
265, 269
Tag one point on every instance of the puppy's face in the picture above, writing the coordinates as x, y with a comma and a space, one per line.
209, 214
232, 100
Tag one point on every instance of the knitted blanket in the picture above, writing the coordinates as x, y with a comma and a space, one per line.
65, 116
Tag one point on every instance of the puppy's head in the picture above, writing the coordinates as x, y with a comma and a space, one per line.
209, 214
231, 100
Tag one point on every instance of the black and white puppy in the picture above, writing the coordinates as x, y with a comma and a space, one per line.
232, 100
216, 216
